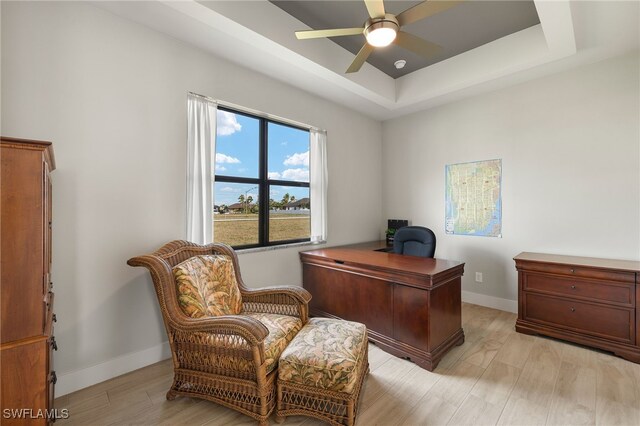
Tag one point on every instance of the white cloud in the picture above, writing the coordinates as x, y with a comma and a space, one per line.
227, 189
227, 123
296, 174
274, 175
298, 159
223, 158
220, 168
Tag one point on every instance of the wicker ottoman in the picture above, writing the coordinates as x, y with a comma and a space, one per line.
320, 373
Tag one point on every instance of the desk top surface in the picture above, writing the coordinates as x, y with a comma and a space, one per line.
366, 254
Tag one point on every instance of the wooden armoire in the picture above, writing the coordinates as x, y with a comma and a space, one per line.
26, 290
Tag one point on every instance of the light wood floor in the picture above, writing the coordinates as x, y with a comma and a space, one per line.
497, 377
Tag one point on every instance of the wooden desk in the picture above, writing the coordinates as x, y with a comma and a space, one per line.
410, 305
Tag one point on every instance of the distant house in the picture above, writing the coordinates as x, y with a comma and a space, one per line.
240, 207
237, 207
300, 204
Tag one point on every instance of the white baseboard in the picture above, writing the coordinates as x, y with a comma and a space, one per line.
79, 379
490, 301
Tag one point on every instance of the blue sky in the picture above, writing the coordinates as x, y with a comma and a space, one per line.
237, 146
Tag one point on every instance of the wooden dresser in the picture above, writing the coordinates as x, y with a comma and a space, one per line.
410, 305
590, 301
26, 296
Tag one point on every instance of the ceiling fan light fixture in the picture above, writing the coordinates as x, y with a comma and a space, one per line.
381, 32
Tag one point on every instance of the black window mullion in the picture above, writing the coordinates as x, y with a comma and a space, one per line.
263, 211
289, 183
233, 179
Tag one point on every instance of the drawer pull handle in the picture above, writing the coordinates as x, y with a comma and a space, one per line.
573, 287
54, 344
572, 271
54, 378
340, 262
54, 318
573, 309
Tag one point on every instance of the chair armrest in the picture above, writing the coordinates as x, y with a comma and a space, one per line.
231, 345
250, 329
289, 293
284, 300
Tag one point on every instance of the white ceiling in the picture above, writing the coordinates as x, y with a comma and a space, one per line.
260, 36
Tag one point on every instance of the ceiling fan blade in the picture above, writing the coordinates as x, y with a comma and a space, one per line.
375, 8
424, 10
361, 57
336, 32
416, 45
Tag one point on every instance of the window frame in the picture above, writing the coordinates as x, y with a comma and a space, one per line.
263, 182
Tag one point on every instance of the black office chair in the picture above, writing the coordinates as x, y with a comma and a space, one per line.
415, 241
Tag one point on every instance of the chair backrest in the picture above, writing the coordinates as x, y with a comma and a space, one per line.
207, 286
415, 241
161, 263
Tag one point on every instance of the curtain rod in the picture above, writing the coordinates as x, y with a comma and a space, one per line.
258, 113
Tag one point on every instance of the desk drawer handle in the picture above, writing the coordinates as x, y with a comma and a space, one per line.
341, 262
54, 344
573, 287
572, 271
53, 378
573, 309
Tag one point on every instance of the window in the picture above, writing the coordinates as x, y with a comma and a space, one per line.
262, 182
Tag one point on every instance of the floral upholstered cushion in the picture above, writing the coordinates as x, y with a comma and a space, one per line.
207, 286
325, 354
282, 329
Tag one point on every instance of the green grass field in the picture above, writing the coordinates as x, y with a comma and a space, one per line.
242, 229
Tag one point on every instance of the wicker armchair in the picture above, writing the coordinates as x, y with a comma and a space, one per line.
221, 358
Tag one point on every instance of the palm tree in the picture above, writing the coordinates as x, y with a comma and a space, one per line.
285, 199
241, 198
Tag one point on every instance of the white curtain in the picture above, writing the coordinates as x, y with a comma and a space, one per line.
319, 183
201, 139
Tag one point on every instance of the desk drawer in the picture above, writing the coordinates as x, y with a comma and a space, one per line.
609, 322
583, 289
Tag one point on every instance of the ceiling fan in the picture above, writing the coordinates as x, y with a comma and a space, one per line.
382, 29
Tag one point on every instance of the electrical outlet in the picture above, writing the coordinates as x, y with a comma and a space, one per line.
478, 277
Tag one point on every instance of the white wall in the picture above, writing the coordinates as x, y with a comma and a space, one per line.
111, 95
570, 150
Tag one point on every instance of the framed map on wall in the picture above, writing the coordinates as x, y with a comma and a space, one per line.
473, 198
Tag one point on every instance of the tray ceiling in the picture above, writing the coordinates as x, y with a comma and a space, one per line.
260, 36
457, 30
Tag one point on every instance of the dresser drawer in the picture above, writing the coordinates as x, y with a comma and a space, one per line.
609, 322
580, 272
582, 289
